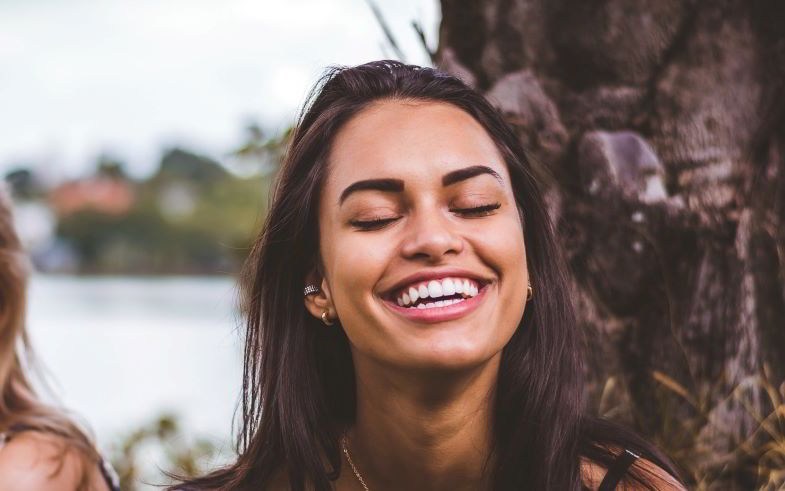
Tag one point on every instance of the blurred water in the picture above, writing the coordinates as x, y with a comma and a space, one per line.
120, 351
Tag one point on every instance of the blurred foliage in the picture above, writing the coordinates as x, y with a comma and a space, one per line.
23, 183
192, 216
260, 152
209, 232
111, 167
145, 456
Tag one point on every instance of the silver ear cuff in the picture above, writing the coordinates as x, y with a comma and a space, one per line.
310, 289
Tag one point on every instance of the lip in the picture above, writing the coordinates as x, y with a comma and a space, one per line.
440, 314
433, 274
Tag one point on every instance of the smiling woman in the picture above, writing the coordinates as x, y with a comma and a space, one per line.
436, 346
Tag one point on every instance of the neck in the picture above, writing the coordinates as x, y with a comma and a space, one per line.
423, 431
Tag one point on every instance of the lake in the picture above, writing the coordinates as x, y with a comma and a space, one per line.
119, 351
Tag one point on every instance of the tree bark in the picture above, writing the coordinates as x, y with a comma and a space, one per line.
657, 128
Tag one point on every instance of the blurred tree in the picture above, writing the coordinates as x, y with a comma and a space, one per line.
660, 131
23, 183
181, 164
260, 154
111, 167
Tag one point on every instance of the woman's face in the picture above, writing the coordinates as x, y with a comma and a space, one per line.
421, 241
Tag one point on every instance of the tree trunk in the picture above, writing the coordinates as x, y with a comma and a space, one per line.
658, 128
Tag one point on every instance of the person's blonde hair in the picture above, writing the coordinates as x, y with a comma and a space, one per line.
20, 406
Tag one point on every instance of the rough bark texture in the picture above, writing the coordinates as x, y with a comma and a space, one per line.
659, 131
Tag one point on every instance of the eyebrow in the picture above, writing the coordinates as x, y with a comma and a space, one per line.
469, 172
396, 185
387, 185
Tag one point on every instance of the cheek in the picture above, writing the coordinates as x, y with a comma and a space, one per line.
354, 265
504, 249
505, 244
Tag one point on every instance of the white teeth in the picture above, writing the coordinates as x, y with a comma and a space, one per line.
448, 287
434, 289
438, 303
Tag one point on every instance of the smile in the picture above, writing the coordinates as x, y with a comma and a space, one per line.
448, 291
443, 300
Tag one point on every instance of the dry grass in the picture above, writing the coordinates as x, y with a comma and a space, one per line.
682, 429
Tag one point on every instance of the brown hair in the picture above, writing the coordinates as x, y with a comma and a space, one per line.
20, 407
298, 384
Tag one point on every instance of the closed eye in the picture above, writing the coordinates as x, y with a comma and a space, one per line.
374, 224
378, 223
479, 211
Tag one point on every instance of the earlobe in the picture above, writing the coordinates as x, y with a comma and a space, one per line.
317, 299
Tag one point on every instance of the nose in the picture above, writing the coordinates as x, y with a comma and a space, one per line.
430, 236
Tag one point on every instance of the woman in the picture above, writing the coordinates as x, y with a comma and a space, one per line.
437, 347
40, 448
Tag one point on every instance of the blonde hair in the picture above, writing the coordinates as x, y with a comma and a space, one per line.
20, 406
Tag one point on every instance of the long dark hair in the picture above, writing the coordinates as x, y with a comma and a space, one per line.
298, 382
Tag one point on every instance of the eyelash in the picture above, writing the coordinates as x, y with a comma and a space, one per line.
479, 211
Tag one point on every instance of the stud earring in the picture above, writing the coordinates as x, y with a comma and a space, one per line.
326, 319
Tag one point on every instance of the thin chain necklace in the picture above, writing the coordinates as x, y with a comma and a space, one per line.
357, 474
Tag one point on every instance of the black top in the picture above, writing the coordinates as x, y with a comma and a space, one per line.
107, 472
617, 470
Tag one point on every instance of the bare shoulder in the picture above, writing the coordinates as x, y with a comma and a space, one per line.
592, 473
658, 478
41, 462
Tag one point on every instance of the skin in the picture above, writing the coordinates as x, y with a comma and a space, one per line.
424, 391
33, 461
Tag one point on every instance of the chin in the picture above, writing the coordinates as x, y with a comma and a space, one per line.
452, 356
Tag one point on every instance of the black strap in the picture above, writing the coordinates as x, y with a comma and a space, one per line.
617, 470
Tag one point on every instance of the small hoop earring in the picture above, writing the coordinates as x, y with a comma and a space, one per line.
326, 319
529, 292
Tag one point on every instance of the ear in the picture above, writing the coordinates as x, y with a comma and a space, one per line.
318, 302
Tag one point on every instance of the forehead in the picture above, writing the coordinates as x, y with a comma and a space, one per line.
409, 140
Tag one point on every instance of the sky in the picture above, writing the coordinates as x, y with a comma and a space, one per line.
84, 78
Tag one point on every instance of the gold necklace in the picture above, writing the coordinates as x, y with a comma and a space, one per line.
357, 474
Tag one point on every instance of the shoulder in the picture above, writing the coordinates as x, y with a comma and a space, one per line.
658, 478
41, 462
